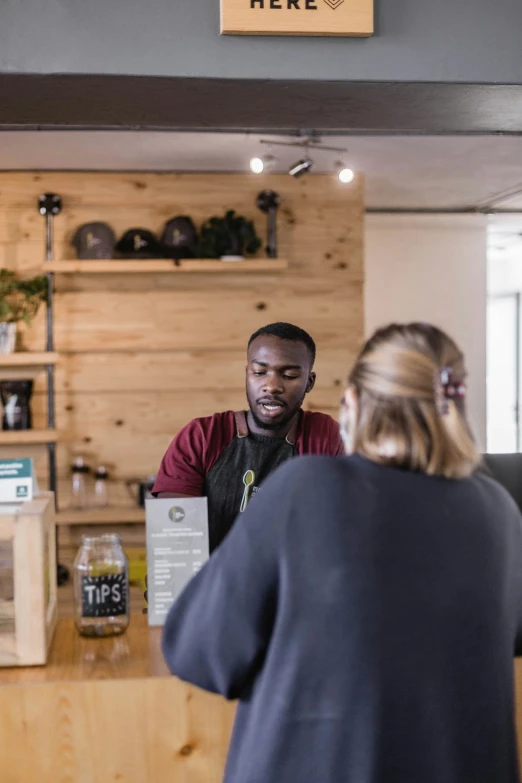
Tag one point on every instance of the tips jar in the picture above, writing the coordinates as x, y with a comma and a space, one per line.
101, 587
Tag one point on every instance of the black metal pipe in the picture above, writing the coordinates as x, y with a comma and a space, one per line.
50, 205
268, 202
271, 247
48, 237
62, 572
51, 415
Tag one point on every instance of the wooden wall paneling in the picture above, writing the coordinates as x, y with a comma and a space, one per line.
172, 320
144, 354
317, 224
168, 371
161, 195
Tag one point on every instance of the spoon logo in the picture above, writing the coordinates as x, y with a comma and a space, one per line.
248, 483
176, 514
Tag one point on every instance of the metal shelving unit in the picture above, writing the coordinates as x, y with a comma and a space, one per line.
50, 205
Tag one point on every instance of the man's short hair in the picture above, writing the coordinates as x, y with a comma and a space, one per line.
287, 332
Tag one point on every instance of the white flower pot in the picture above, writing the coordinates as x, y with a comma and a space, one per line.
7, 338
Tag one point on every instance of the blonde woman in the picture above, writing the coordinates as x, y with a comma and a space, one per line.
366, 609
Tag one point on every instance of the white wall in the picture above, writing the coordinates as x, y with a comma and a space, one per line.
433, 268
505, 255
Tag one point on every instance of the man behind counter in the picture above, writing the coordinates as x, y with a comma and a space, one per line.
225, 457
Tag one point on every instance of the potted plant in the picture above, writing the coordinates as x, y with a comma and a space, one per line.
229, 238
19, 301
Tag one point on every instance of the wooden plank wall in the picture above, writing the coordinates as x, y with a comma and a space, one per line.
144, 354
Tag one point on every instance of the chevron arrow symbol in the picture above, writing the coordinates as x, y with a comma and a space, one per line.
334, 4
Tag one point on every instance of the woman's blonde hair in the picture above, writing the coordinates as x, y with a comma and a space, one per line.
409, 380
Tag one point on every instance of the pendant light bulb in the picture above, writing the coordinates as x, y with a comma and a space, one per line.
257, 166
346, 175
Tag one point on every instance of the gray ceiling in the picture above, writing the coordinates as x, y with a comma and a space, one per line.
402, 172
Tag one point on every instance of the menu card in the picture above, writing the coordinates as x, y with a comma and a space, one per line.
177, 547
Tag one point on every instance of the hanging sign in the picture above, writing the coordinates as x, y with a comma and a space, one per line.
297, 17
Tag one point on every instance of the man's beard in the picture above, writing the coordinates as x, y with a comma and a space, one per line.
276, 425
271, 426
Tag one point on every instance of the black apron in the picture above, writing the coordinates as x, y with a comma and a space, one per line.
236, 476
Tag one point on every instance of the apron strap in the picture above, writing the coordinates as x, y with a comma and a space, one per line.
241, 424
242, 427
291, 438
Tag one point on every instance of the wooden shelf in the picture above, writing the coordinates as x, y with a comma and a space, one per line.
159, 265
112, 515
27, 437
27, 359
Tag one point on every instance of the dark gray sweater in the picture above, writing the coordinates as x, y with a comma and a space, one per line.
367, 618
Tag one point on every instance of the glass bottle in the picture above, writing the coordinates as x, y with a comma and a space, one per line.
79, 472
101, 587
101, 497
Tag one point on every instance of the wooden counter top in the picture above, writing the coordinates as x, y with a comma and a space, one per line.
107, 710
134, 655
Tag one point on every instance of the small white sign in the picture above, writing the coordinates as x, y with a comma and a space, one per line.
17, 480
177, 547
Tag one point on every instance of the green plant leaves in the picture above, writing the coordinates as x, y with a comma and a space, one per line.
228, 235
20, 298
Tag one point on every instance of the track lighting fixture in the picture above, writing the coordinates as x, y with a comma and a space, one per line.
309, 145
300, 168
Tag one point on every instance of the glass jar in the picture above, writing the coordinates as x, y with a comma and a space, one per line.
79, 471
101, 497
101, 587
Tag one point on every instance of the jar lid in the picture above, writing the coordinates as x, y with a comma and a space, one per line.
105, 538
101, 472
79, 466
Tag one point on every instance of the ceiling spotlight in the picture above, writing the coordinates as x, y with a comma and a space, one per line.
257, 165
300, 168
345, 175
